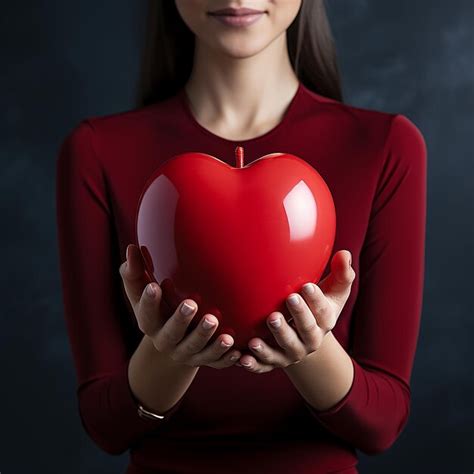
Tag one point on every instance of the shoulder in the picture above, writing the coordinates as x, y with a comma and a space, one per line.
95, 137
366, 126
124, 123
404, 135
120, 125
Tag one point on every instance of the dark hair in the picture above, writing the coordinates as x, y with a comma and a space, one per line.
168, 52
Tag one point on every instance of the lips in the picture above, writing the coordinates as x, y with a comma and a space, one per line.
236, 12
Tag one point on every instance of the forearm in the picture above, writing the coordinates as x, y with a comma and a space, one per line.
156, 380
324, 377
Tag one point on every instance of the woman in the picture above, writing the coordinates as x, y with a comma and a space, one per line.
340, 380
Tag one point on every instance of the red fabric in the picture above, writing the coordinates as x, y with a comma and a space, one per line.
231, 420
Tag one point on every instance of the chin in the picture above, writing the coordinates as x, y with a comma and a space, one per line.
240, 48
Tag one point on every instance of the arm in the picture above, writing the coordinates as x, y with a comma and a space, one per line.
149, 391
99, 326
369, 405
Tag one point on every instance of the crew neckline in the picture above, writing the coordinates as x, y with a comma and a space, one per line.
185, 106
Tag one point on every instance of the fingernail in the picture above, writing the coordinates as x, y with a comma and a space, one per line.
350, 260
208, 324
293, 300
234, 358
257, 347
308, 287
186, 309
224, 344
246, 364
128, 252
276, 323
150, 290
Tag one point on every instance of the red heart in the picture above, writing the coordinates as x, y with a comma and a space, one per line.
237, 240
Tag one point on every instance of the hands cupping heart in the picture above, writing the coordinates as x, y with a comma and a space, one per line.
235, 241
314, 314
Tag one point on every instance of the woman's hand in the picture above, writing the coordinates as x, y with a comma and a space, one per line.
169, 338
313, 317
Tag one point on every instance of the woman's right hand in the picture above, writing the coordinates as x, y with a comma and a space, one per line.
169, 338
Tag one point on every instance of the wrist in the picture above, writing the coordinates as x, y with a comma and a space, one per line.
165, 360
312, 357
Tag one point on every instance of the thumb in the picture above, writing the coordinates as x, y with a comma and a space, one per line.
341, 276
342, 267
134, 274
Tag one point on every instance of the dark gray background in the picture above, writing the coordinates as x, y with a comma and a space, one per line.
64, 60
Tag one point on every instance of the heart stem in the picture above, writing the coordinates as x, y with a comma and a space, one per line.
239, 157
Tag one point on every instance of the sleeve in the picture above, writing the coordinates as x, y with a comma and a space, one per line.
93, 297
387, 310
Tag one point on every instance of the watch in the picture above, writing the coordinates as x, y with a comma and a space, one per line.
144, 413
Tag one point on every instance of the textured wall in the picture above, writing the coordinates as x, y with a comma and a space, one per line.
62, 61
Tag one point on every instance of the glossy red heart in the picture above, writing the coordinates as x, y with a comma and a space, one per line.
237, 240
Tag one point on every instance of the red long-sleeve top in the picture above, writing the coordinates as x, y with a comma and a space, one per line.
232, 420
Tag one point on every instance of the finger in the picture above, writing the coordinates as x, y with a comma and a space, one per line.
286, 337
304, 319
253, 365
227, 360
337, 285
133, 275
321, 308
174, 330
218, 354
147, 310
265, 354
197, 340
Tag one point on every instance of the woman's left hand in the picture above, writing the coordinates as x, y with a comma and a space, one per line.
313, 316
